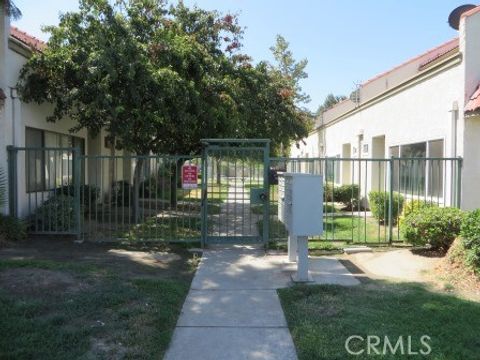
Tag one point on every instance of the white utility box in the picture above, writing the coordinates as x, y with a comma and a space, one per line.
300, 209
300, 203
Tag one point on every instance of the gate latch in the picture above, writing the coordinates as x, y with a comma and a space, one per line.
258, 196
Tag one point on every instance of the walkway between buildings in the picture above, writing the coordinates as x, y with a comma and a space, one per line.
232, 310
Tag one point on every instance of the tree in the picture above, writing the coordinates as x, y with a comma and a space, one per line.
290, 69
11, 9
156, 78
329, 102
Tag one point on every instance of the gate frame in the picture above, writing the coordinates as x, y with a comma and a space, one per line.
216, 144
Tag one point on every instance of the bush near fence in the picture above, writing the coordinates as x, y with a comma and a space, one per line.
470, 233
379, 204
348, 195
432, 226
89, 194
55, 214
412, 206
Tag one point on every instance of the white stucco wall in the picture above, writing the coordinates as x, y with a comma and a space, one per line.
420, 112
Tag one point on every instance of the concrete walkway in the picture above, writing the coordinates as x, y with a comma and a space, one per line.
236, 217
232, 310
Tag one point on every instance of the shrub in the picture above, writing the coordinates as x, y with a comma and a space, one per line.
470, 232
433, 226
89, 194
411, 206
12, 229
121, 193
55, 214
328, 191
379, 203
347, 195
155, 187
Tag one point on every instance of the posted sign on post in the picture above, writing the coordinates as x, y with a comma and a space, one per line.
189, 176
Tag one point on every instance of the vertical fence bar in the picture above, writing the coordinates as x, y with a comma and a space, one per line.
459, 182
12, 180
266, 184
390, 202
76, 190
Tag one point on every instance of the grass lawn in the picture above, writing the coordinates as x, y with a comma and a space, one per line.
80, 301
344, 228
216, 193
164, 229
322, 317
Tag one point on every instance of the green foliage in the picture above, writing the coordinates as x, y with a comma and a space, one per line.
329, 102
411, 206
89, 194
347, 195
121, 193
379, 205
470, 232
328, 191
433, 226
55, 214
159, 78
12, 229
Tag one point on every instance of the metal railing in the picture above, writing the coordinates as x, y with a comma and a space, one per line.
140, 198
364, 198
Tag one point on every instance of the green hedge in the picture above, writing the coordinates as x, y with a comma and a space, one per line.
379, 203
89, 194
412, 206
55, 214
12, 229
433, 226
345, 194
470, 232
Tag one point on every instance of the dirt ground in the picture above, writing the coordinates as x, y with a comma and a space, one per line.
407, 265
129, 260
91, 300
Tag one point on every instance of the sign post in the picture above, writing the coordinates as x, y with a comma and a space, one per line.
189, 177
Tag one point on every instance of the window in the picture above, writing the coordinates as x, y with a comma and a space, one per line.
415, 173
48, 169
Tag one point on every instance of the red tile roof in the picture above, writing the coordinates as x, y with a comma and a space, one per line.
473, 104
424, 58
29, 40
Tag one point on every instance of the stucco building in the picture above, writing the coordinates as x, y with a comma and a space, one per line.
427, 107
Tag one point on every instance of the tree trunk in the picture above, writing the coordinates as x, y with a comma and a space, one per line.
137, 178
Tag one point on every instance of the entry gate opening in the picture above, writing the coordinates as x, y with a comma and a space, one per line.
235, 206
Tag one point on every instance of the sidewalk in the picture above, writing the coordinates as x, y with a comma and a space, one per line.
232, 310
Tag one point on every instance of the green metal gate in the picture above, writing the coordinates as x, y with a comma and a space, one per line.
235, 206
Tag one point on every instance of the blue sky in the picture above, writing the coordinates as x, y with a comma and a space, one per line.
345, 41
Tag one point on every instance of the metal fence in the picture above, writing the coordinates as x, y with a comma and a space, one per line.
364, 198
140, 198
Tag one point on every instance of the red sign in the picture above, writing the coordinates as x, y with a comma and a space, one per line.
189, 176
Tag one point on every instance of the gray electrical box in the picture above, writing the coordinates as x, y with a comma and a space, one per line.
300, 203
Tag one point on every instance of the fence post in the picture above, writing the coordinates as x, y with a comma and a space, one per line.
204, 204
459, 182
12, 181
76, 190
266, 182
390, 201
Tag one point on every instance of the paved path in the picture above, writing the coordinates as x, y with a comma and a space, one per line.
236, 217
232, 310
